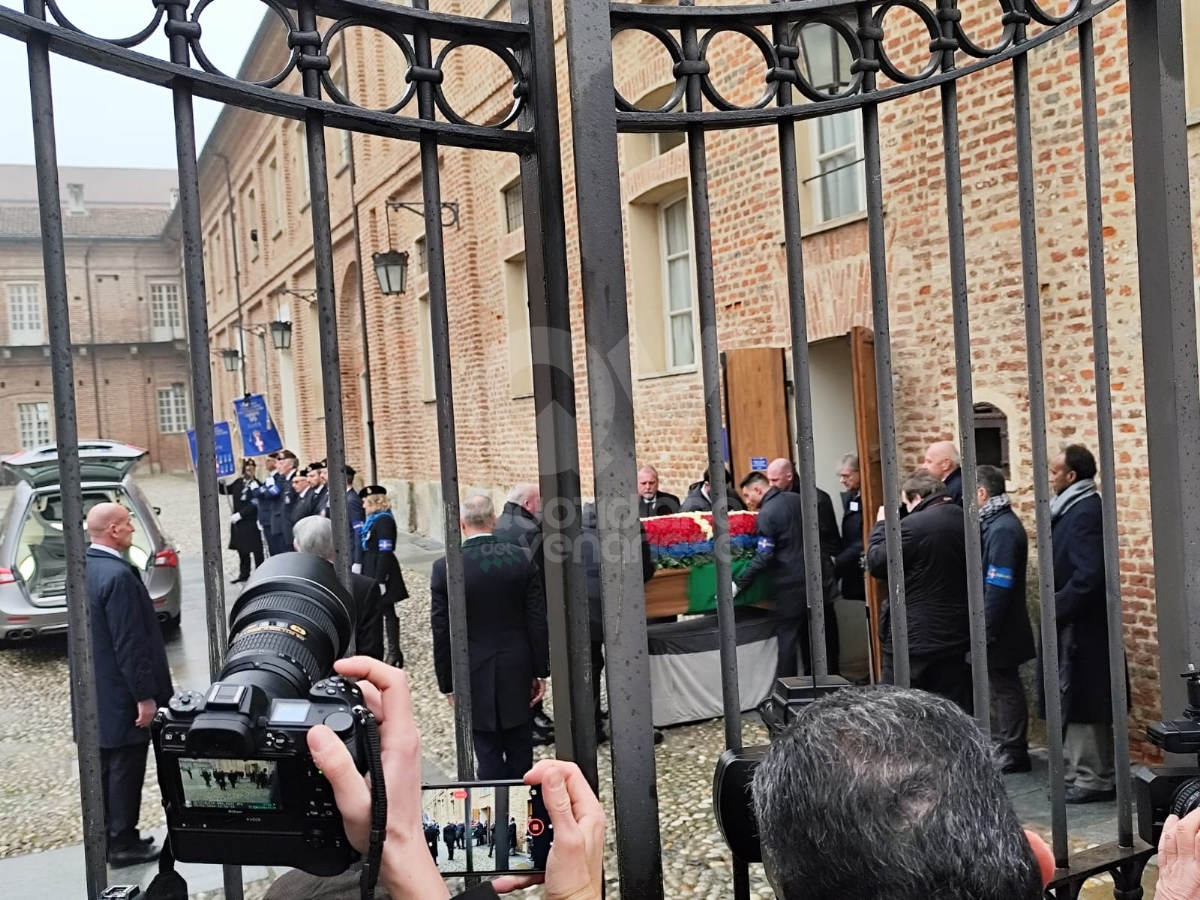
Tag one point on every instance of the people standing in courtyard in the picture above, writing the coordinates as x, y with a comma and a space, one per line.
244, 536
943, 460
354, 513
1009, 634
933, 546
507, 643
132, 678
651, 501
1080, 610
699, 495
379, 534
848, 565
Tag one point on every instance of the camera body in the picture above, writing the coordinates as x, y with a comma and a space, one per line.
1163, 790
238, 783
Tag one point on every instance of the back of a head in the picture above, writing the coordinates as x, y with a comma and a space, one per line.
1079, 460
922, 484
755, 478
477, 511
991, 479
314, 535
889, 794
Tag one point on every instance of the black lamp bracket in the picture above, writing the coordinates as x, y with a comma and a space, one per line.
447, 206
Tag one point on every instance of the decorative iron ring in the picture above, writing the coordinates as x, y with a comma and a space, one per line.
398, 37
769, 57
849, 34
969, 47
520, 84
1049, 19
275, 80
127, 42
926, 15
667, 39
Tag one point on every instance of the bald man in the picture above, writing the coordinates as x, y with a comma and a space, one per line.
943, 460
131, 675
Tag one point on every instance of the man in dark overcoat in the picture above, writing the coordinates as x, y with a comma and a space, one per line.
507, 642
277, 492
1005, 546
848, 562
132, 677
244, 536
450, 837
1080, 610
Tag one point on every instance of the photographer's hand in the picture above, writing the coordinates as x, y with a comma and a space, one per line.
1179, 859
574, 870
408, 871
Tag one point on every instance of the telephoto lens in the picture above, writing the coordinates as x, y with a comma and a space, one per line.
288, 626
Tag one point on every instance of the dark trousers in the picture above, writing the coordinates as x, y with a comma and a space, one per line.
946, 676
122, 773
244, 561
504, 754
833, 642
1012, 711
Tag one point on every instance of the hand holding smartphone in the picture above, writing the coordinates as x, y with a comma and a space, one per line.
486, 827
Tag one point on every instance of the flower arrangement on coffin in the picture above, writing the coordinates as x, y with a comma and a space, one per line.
683, 543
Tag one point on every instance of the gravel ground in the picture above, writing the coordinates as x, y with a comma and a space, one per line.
39, 797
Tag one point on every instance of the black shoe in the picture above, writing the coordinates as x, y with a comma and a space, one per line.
601, 734
542, 738
659, 737
1077, 795
543, 722
241, 579
147, 840
133, 856
1010, 765
604, 714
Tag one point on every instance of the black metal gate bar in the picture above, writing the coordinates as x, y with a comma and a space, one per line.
313, 62
1038, 443
1104, 427
610, 406
806, 471
1165, 272
870, 33
178, 31
456, 590
960, 301
62, 372
552, 351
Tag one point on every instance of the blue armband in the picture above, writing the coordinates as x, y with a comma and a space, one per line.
999, 577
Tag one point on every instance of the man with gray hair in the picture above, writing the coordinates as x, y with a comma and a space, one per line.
652, 501
883, 793
943, 460
507, 642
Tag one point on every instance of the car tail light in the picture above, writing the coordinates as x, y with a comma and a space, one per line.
167, 559
7, 576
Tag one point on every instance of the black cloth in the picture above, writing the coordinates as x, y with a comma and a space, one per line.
1012, 711
780, 550
506, 631
128, 653
1080, 608
517, 525
122, 773
431, 839
1005, 557
589, 553
450, 837
954, 486
695, 501
663, 504
368, 625
355, 514
935, 579
504, 754
379, 561
244, 536
848, 562
305, 505
946, 676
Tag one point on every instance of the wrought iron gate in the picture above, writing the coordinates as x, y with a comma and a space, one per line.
526, 45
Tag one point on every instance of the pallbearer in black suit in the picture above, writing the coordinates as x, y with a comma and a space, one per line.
507, 643
131, 674
379, 534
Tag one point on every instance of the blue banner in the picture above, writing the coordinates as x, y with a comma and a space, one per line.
254, 422
223, 439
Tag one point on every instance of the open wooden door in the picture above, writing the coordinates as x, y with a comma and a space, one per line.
866, 428
756, 407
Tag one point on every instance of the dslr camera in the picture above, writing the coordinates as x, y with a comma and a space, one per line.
1166, 790
238, 783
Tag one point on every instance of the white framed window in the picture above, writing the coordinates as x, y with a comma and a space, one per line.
275, 197
172, 410
300, 164
24, 313
678, 297
166, 311
514, 212
838, 166
34, 425
421, 252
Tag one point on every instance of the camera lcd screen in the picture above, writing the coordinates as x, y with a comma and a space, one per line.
244, 784
289, 712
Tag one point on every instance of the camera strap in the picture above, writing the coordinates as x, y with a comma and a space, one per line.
378, 831
167, 884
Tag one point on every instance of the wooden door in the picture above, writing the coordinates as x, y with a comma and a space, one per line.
866, 427
756, 408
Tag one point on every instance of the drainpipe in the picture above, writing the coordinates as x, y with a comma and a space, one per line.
87, 277
237, 272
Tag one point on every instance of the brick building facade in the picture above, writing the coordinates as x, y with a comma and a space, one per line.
485, 271
124, 289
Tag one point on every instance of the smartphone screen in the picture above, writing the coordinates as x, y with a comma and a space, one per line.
486, 827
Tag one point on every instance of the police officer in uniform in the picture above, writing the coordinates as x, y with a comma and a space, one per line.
379, 563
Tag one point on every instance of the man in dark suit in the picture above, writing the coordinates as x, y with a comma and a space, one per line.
651, 501
1010, 636
507, 643
304, 483
131, 676
943, 460
699, 495
848, 563
1081, 613
450, 836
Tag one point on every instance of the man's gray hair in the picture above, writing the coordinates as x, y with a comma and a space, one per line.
849, 461
477, 511
522, 493
314, 535
885, 793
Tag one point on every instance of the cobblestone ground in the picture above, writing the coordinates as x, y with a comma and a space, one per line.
39, 794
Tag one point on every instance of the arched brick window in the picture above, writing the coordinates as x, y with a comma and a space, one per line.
991, 437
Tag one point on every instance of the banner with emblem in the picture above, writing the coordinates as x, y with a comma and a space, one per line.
223, 440
259, 435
